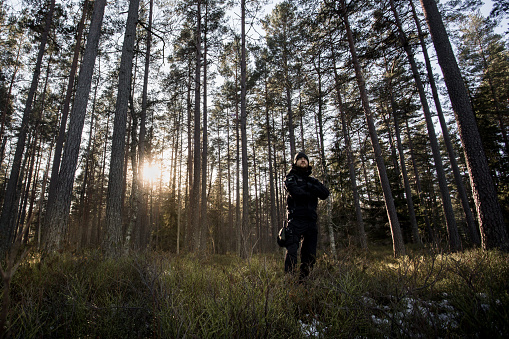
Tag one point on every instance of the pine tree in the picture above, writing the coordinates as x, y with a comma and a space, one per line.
10, 206
489, 214
114, 222
58, 214
397, 238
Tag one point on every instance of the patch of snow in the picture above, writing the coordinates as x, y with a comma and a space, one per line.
310, 330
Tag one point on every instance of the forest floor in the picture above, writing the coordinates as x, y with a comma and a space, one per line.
361, 294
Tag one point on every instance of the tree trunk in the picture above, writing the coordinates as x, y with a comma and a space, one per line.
489, 214
40, 201
238, 221
273, 212
452, 228
418, 186
397, 238
114, 222
394, 157
33, 194
361, 234
228, 180
195, 196
9, 210
257, 216
141, 198
189, 207
472, 226
220, 198
323, 162
83, 215
8, 101
58, 214
243, 131
494, 97
36, 140
65, 110
204, 155
406, 183
31, 156
179, 191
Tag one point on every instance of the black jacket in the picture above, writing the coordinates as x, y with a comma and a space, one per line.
303, 193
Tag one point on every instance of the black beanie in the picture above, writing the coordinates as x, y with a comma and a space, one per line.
300, 155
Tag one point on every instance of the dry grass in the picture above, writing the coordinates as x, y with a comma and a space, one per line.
162, 295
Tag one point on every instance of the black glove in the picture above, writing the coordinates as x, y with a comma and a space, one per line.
311, 187
317, 188
314, 181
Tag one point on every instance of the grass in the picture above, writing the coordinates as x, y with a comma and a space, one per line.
166, 296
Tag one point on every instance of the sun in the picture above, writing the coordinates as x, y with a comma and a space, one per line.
151, 172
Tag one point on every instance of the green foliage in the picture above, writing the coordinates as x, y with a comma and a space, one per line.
366, 294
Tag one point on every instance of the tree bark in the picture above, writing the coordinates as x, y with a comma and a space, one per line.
65, 111
323, 162
361, 234
491, 222
418, 185
114, 222
243, 131
273, 212
9, 210
204, 154
397, 238
189, 225
141, 198
408, 192
472, 226
58, 214
238, 222
452, 228
195, 196
8, 102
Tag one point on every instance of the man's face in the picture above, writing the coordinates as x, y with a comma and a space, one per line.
302, 163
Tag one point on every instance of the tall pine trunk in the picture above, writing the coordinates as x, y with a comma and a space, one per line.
406, 183
418, 186
58, 213
114, 203
273, 211
360, 231
452, 228
189, 177
243, 131
8, 102
323, 161
195, 195
491, 222
65, 110
397, 238
204, 152
238, 222
10, 207
37, 140
472, 226
83, 222
141, 194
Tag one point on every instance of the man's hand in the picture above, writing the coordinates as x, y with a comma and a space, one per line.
317, 188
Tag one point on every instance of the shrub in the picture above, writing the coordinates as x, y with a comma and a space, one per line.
359, 295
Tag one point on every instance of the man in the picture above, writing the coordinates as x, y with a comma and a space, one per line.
303, 192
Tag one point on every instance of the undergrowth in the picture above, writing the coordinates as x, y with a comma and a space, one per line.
361, 294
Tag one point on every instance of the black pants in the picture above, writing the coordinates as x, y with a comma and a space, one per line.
306, 230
